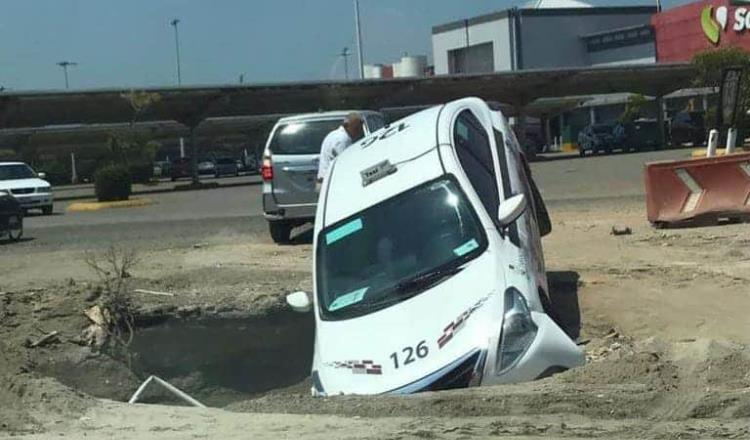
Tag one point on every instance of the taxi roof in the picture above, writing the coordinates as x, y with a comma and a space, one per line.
409, 144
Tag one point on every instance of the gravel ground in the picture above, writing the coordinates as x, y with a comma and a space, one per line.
661, 314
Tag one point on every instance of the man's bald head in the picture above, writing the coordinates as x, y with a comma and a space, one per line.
353, 124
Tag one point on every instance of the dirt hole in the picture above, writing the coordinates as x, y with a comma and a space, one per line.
219, 361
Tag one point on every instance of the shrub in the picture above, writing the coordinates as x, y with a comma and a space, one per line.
112, 183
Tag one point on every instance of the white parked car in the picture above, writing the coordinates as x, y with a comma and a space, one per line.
428, 265
27, 186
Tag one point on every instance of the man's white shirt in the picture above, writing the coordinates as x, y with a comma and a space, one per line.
334, 144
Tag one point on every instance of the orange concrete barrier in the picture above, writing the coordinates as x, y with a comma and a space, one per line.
698, 191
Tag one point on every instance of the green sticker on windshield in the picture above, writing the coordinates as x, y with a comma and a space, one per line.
466, 248
347, 299
343, 231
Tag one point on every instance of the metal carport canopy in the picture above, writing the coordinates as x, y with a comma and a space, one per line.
191, 105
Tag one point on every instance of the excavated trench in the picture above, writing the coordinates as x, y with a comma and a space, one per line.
221, 360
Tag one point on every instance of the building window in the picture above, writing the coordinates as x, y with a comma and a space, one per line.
619, 38
479, 58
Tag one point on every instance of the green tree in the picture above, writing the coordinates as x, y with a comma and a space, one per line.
130, 147
710, 65
633, 108
141, 102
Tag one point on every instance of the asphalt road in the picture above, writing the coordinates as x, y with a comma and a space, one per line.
185, 218
573, 179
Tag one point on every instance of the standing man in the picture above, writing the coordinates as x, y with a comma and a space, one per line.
337, 141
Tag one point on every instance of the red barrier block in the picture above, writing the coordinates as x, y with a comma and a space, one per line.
681, 192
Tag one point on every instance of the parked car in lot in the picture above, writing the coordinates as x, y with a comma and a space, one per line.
27, 186
11, 217
226, 166
162, 168
643, 134
179, 168
290, 166
598, 138
206, 166
252, 164
428, 257
688, 127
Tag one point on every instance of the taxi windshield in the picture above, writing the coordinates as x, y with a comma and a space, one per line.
375, 259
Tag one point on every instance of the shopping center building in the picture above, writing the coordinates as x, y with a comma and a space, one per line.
550, 34
545, 34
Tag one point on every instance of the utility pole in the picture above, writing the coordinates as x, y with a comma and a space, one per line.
345, 54
360, 56
64, 65
174, 24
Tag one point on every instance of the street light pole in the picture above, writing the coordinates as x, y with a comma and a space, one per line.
345, 54
174, 24
360, 56
64, 65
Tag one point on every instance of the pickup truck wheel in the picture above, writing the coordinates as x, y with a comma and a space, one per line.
15, 232
280, 232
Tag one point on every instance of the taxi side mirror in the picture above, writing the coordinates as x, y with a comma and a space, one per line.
299, 302
511, 209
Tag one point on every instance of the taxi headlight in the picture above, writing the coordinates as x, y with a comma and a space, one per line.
518, 331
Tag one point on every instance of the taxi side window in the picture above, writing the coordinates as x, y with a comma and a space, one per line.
375, 123
475, 154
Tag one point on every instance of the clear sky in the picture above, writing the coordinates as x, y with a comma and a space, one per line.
129, 43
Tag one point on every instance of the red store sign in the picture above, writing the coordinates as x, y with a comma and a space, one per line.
685, 31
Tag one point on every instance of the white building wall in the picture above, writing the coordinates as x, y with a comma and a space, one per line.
496, 32
550, 41
499, 33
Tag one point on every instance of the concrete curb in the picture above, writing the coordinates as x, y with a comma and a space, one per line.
701, 152
160, 191
98, 206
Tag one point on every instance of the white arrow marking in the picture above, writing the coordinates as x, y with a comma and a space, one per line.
695, 190
746, 168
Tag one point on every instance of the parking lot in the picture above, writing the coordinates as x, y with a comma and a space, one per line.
183, 219
661, 314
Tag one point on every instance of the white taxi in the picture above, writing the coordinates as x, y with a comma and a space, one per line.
428, 265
